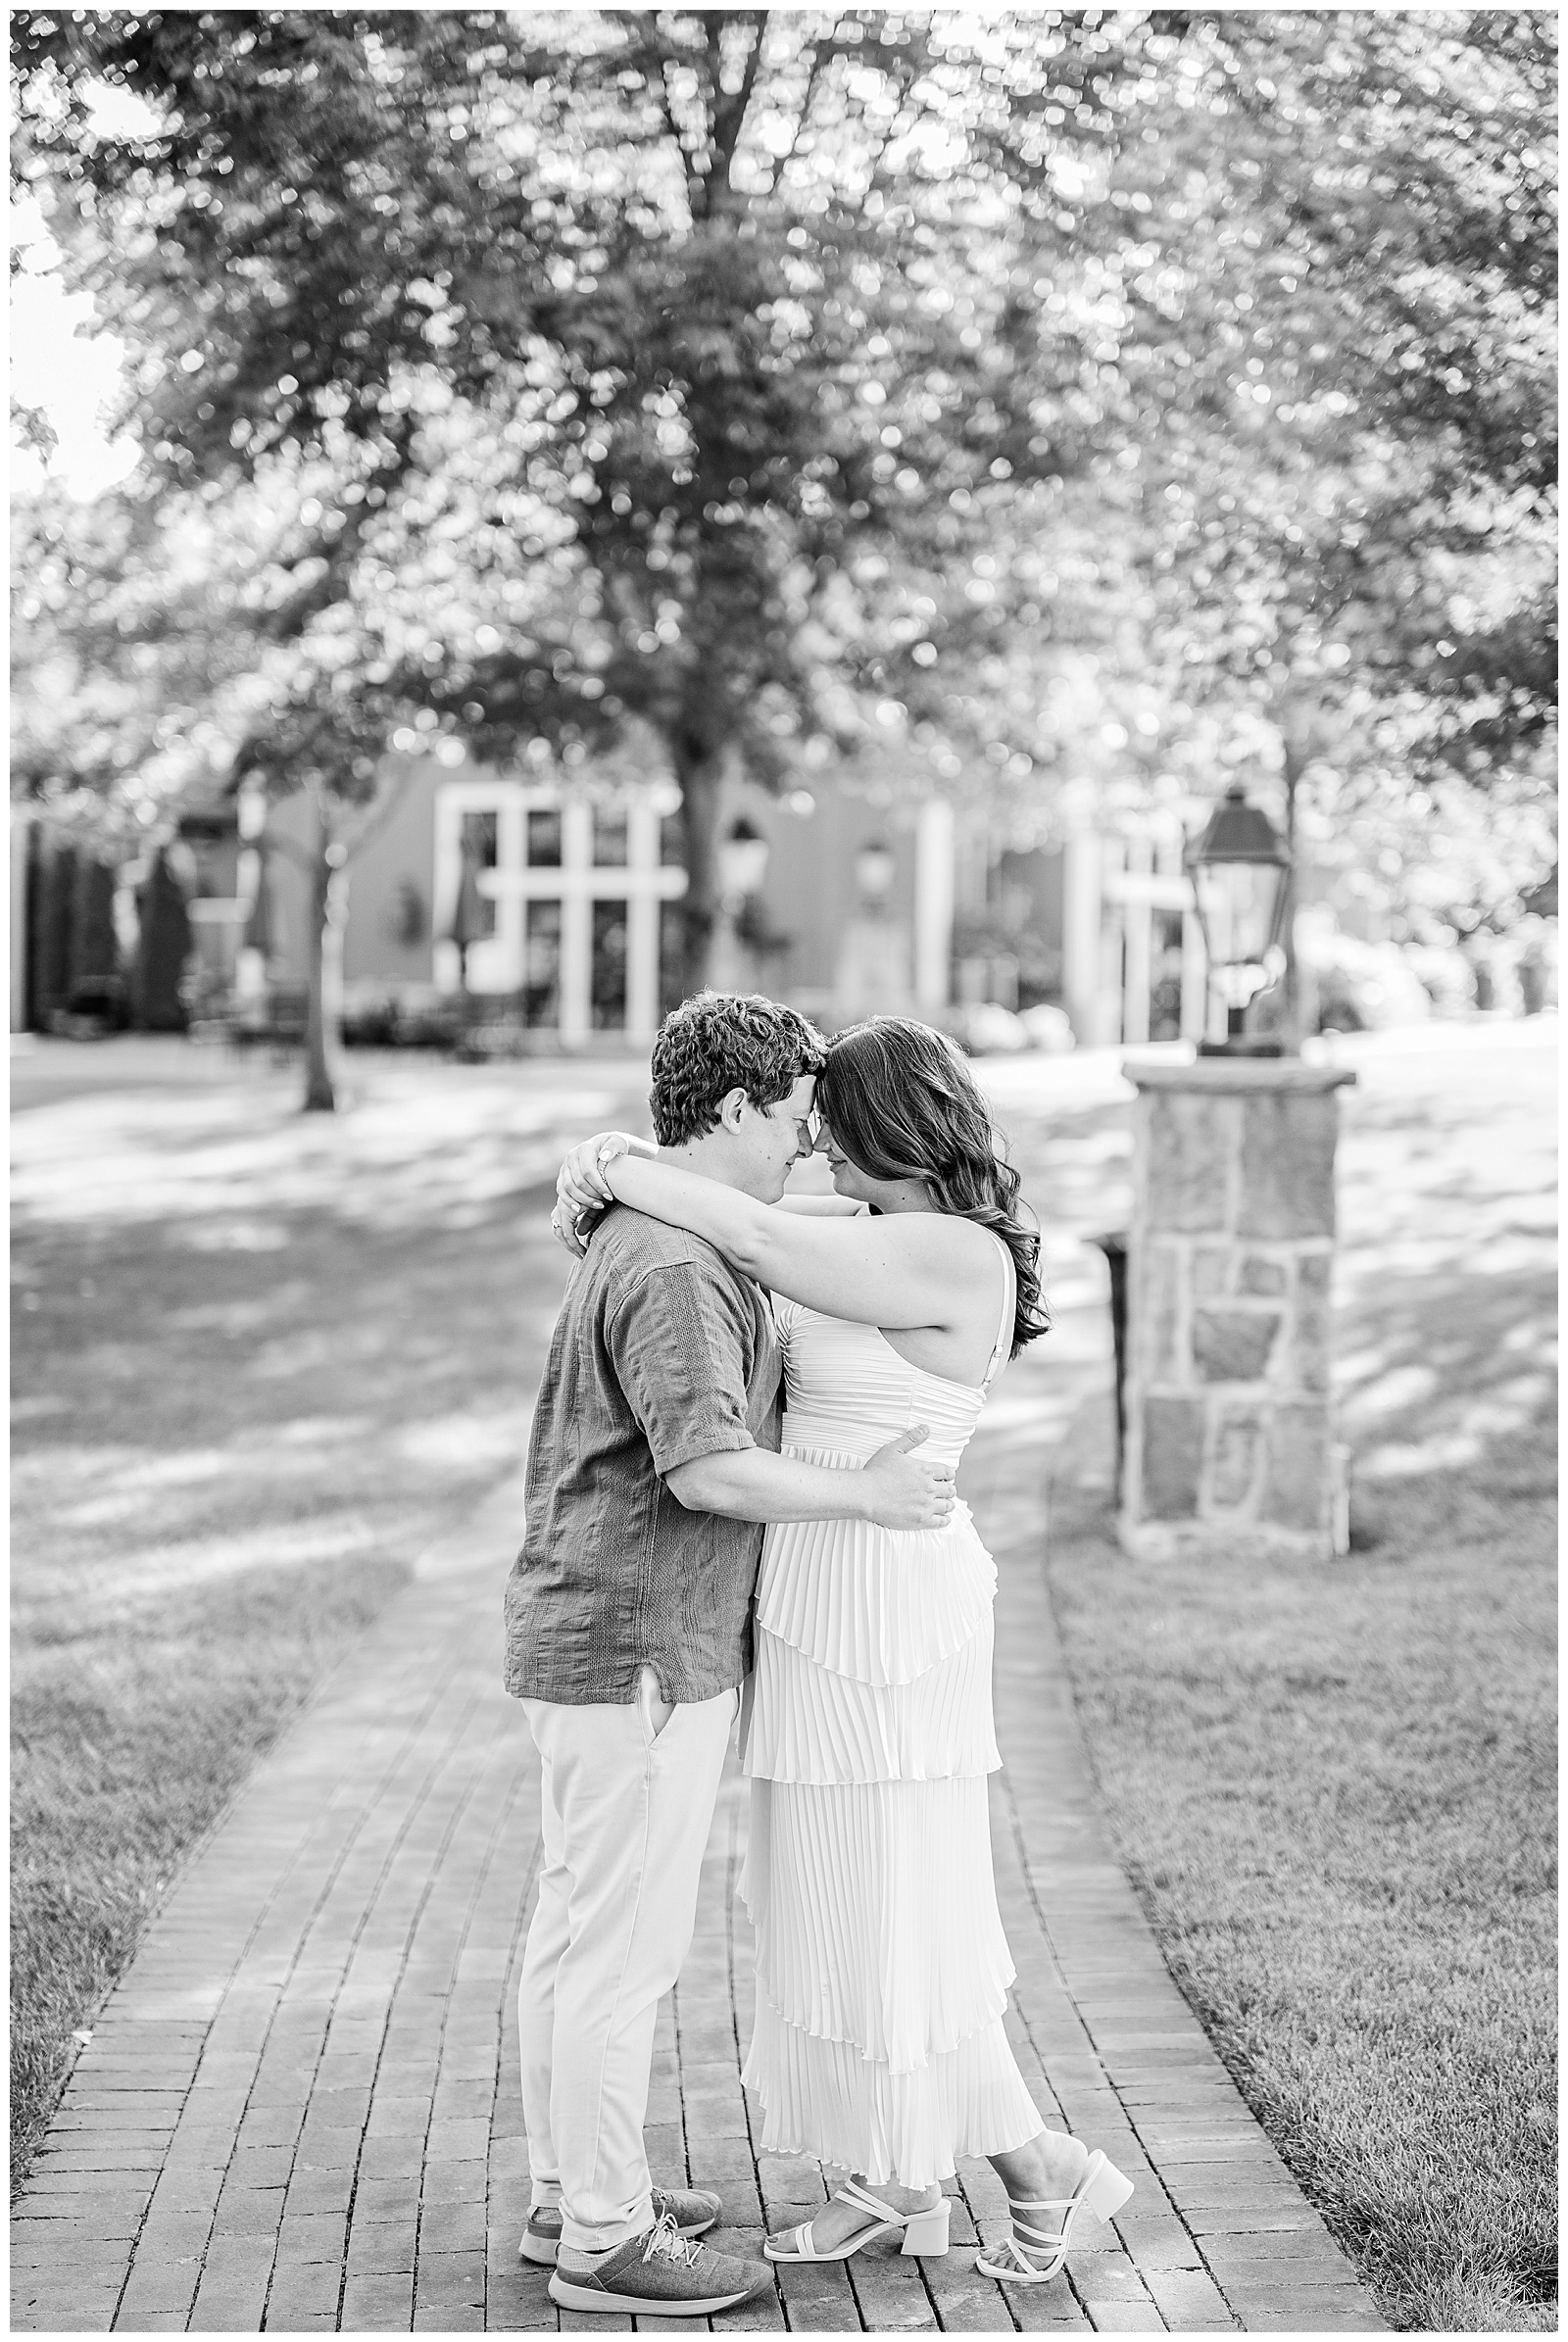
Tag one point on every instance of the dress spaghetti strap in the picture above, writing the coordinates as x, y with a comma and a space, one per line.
1010, 1308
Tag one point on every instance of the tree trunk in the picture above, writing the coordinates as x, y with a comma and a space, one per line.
700, 778
320, 1095
1291, 983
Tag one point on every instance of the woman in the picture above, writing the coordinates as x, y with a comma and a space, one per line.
881, 1964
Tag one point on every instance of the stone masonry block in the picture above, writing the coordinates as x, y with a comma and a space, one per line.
1211, 1272
1296, 1489
1311, 1348
1234, 1345
1237, 1452
1190, 1141
1261, 1275
1156, 1312
1288, 1165
1173, 1454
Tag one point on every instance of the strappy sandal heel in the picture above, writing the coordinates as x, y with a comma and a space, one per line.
1030, 2255
924, 2232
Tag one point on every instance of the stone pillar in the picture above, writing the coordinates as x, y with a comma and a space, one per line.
1230, 1443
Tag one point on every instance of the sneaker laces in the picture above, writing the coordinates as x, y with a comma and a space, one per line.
666, 2243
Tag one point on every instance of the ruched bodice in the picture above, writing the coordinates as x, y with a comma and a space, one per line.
877, 1606
882, 1968
848, 1391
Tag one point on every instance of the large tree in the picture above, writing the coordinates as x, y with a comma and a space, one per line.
724, 295
1349, 509
754, 374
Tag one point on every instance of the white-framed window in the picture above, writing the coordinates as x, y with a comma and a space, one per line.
569, 900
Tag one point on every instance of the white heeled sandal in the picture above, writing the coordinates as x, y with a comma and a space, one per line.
1029, 2255
923, 2231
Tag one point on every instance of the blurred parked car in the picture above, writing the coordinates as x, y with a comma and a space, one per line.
984, 1029
1362, 988
1048, 1029
413, 1017
1445, 974
98, 1006
1537, 963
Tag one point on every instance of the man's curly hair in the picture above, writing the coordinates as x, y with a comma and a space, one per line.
719, 1042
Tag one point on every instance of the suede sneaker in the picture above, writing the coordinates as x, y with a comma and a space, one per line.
659, 2273
692, 2210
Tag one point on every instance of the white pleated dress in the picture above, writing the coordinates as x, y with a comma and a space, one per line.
882, 1969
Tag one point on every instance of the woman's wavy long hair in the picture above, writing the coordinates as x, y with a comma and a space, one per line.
902, 1104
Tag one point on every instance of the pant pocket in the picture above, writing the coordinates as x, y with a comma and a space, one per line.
654, 1711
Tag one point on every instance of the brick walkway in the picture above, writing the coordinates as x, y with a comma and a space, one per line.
300, 2111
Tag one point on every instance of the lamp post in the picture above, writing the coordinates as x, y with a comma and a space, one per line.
258, 940
742, 868
873, 874
1239, 869
1229, 1393
742, 864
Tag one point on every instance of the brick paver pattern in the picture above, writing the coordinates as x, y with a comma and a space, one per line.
299, 2110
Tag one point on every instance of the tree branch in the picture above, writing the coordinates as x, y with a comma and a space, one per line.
821, 51
694, 177
728, 113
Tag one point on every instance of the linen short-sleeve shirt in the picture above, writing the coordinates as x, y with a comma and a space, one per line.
661, 1353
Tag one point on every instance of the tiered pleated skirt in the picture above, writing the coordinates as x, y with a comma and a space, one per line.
882, 1969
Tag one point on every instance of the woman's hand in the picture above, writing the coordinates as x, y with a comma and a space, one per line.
580, 1183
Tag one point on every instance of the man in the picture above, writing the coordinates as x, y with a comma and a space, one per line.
652, 1468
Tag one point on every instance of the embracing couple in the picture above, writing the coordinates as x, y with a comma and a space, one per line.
691, 1559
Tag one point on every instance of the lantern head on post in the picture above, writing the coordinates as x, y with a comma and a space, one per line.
1239, 868
873, 873
742, 864
742, 867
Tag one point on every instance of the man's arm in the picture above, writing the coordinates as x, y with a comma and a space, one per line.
903, 1269
679, 1341
893, 1487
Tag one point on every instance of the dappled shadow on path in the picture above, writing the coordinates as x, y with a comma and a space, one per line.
260, 1364
245, 1339
1446, 1281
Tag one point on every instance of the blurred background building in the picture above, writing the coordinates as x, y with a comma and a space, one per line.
550, 911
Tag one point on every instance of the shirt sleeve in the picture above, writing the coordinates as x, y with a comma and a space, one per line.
681, 1352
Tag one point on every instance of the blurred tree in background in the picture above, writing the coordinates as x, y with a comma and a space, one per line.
777, 378
164, 647
1368, 549
662, 313
162, 941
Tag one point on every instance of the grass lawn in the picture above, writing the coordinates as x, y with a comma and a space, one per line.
259, 1362
1335, 1787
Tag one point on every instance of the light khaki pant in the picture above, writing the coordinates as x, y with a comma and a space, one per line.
626, 1801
